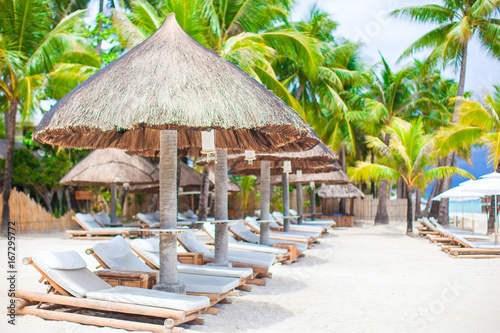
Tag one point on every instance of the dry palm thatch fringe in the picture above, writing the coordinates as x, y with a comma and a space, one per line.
277, 168
172, 82
341, 191
105, 166
336, 177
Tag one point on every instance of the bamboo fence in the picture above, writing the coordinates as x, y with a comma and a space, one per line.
31, 217
365, 209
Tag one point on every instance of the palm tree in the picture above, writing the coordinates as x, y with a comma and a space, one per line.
480, 122
409, 156
390, 96
37, 61
458, 22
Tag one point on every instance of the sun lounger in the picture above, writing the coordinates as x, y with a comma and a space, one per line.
92, 229
275, 226
317, 222
259, 262
147, 220
316, 229
242, 232
285, 253
286, 236
78, 295
438, 234
462, 247
117, 254
149, 251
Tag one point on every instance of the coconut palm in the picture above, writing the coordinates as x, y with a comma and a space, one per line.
458, 22
389, 96
38, 60
480, 122
407, 155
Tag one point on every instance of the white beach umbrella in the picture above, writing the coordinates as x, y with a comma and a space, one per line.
458, 194
486, 185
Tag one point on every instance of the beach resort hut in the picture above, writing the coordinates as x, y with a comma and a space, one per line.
111, 167
168, 95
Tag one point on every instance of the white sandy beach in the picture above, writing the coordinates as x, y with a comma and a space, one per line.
361, 279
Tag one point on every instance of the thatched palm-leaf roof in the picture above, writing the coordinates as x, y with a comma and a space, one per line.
336, 177
170, 81
106, 166
277, 169
190, 180
341, 191
318, 156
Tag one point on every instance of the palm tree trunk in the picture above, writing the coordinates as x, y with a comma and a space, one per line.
99, 40
409, 211
168, 214
491, 210
418, 197
434, 192
112, 203
221, 213
313, 201
382, 217
342, 159
9, 165
202, 205
450, 159
286, 202
299, 203
372, 160
265, 200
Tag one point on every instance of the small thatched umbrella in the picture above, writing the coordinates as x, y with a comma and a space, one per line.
340, 191
112, 167
157, 98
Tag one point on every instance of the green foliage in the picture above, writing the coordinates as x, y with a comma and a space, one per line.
247, 189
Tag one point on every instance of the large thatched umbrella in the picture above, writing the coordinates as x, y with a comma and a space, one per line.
157, 98
318, 159
340, 191
112, 167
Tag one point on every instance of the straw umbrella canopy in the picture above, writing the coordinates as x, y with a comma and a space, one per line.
158, 97
112, 167
327, 178
341, 191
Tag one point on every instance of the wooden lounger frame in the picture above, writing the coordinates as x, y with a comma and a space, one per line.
58, 304
259, 271
214, 298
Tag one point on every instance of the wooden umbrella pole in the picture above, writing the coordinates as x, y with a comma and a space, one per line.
300, 219
313, 202
113, 202
265, 200
221, 229
168, 213
286, 202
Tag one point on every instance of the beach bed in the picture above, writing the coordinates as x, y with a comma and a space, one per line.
77, 295
92, 229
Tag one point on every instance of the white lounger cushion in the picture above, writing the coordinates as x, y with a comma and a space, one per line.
235, 245
188, 238
149, 248
242, 231
149, 297
102, 218
298, 227
292, 234
148, 219
117, 254
78, 282
87, 221
477, 245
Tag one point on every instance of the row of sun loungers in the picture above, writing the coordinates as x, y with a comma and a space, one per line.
119, 294
460, 243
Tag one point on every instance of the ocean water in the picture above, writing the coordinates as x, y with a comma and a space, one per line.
468, 207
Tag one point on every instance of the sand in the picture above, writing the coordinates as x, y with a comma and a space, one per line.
362, 279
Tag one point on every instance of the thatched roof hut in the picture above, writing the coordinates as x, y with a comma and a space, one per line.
336, 177
316, 157
172, 82
231, 186
111, 166
340, 191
